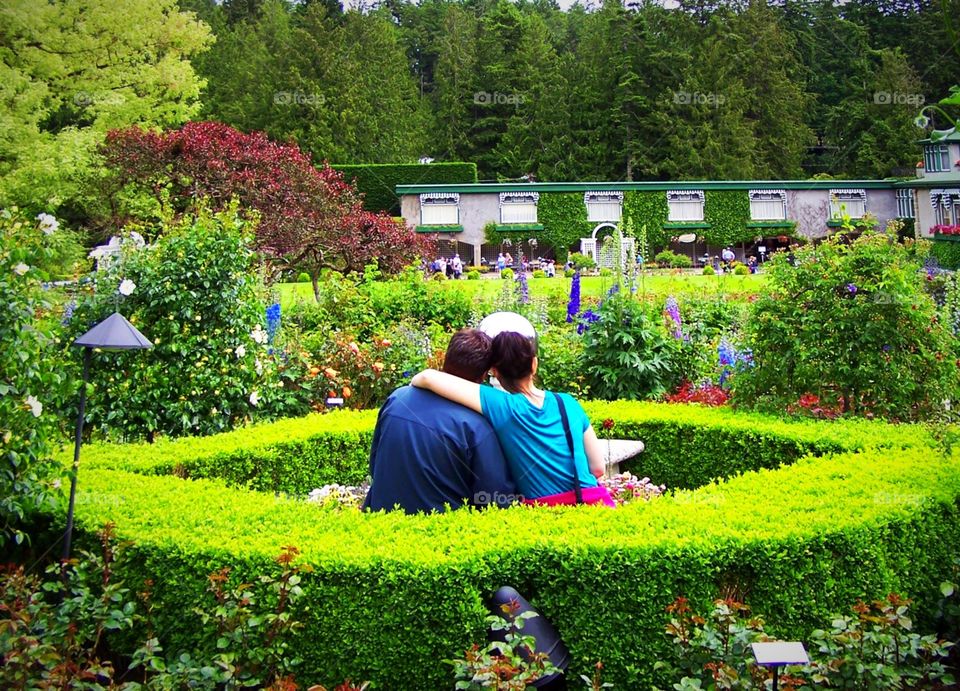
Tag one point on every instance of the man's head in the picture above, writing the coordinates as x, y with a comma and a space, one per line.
468, 355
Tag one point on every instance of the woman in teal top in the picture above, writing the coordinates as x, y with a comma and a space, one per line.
528, 425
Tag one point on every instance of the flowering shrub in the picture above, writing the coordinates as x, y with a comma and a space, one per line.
31, 381
339, 496
195, 294
627, 487
945, 230
706, 393
851, 324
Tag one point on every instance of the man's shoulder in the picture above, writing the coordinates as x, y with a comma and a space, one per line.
420, 401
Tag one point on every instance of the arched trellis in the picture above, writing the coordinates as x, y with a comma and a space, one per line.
588, 247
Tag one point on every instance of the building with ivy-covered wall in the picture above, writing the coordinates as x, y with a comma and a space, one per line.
697, 218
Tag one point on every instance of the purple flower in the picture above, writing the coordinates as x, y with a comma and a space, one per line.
573, 307
728, 356
522, 288
886, 348
852, 288
672, 310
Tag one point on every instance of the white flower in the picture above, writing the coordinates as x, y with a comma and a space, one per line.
48, 224
259, 335
254, 398
259, 367
36, 407
20, 269
240, 351
127, 287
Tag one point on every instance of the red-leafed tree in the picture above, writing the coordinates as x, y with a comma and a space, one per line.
310, 218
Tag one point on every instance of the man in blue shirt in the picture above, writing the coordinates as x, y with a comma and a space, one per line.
429, 452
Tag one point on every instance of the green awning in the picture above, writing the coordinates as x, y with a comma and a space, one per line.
770, 224
440, 229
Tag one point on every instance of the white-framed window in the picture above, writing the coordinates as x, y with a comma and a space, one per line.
852, 203
936, 158
603, 206
440, 209
905, 204
768, 205
518, 207
685, 205
946, 206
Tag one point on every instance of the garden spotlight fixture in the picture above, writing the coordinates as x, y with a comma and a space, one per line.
114, 333
777, 654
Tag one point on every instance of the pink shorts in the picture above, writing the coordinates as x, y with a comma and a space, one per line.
591, 495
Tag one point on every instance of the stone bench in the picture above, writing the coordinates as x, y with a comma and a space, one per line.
616, 451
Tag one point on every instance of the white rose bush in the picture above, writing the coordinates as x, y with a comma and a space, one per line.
31, 375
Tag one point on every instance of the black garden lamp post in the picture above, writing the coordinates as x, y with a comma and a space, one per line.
114, 333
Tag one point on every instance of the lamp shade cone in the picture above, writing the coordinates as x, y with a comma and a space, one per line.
114, 333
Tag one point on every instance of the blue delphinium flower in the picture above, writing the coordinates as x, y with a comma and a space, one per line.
586, 319
273, 320
728, 356
573, 307
852, 288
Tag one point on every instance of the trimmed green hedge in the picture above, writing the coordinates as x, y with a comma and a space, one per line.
390, 595
686, 446
294, 455
947, 253
378, 181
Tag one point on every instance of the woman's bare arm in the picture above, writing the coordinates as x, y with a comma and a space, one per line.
455, 389
595, 456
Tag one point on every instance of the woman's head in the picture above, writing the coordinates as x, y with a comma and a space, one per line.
513, 356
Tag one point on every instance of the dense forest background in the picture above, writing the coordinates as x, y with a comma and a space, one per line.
641, 91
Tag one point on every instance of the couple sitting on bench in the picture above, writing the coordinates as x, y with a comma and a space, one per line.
449, 441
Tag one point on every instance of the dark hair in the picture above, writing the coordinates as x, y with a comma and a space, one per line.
512, 355
468, 355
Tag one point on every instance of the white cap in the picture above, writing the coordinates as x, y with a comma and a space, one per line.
499, 322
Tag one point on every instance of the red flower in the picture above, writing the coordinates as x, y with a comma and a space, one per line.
608, 424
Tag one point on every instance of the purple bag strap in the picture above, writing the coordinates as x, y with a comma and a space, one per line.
573, 456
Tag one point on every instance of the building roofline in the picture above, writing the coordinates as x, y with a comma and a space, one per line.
493, 187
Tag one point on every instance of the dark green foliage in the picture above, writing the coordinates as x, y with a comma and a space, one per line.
627, 355
947, 253
671, 259
564, 219
648, 209
378, 182
852, 325
727, 212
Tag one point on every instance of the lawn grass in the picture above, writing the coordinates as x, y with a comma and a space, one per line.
658, 285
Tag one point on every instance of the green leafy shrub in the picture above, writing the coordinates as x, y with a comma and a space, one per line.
606, 272
560, 352
673, 260
741, 270
32, 379
627, 355
507, 274
303, 277
709, 271
539, 273
568, 273
851, 325
582, 262
196, 296
473, 275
